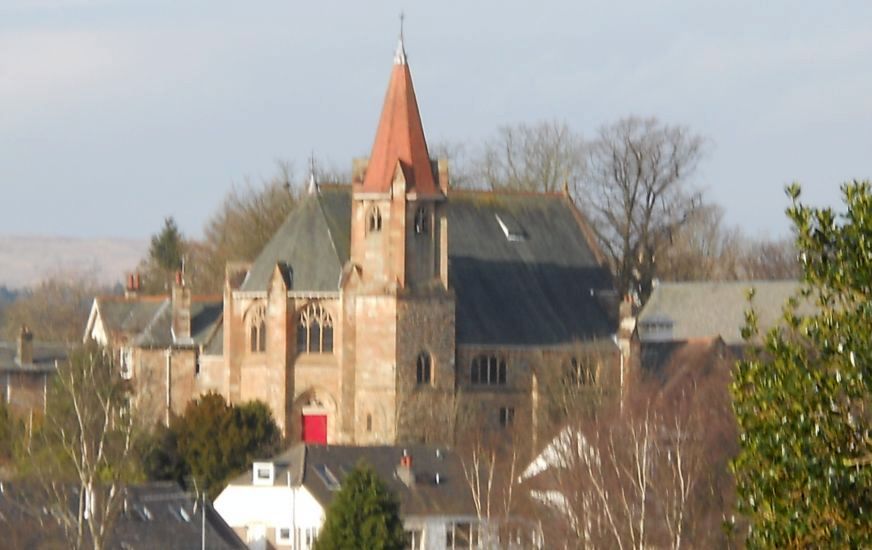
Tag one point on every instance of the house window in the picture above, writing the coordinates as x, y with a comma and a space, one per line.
283, 535
369, 422
507, 416
423, 367
315, 330
421, 221
488, 370
197, 363
461, 535
126, 363
581, 373
257, 328
415, 539
264, 473
374, 220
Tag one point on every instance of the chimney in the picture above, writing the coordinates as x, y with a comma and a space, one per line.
134, 283
181, 302
404, 470
25, 346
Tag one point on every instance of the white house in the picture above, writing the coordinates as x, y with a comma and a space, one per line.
281, 503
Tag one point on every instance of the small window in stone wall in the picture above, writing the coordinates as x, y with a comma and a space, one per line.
507, 416
423, 369
422, 222
315, 330
257, 329
374, 220
581, 372
488, 370
369, 423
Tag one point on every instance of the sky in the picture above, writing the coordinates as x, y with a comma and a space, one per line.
117, 113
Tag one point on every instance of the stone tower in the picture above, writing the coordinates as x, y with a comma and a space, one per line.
398, 306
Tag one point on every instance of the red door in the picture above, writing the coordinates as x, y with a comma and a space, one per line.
315, 428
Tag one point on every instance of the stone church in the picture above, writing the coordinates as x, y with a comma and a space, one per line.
385, 310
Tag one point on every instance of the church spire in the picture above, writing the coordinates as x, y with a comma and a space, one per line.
400, 136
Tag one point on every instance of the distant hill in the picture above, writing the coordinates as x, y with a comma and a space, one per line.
26, 260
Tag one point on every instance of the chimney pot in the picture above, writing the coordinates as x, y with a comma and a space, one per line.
25, 346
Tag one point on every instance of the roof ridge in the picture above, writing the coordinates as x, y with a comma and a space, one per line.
515, 192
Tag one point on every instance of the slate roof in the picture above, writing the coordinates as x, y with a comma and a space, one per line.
534, 290
44, 357
157, 516
708, 309
147, 320
306, 463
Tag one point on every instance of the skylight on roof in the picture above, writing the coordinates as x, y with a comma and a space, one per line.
513, 230
329, 479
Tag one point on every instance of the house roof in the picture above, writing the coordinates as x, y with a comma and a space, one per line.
155, 515
708, 309
316, 466
147, 320
44, 356
400, 138
523, 268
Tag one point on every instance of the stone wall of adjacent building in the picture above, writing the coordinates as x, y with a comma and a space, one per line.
24, 391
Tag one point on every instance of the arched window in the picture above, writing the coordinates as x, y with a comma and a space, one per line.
374, 220
256, 321
315, 330
422, 224
488, 370
423, 374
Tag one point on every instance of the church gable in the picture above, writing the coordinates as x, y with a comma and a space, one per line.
311, 245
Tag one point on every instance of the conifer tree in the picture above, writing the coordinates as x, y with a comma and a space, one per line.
364, 514
804, 401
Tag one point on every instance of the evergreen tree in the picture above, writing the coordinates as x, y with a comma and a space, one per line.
804, 401
166, 247
212, 441
364, 514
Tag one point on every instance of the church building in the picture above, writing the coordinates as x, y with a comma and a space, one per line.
392, 309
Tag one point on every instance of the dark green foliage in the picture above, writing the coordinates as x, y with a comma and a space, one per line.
804, 402
166, 247
364, 515
211, 442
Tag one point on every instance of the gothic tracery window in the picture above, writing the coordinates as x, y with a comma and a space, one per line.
256, 321
315, 330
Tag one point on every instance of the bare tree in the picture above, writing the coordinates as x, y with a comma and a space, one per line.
703, 248
769, 259
539, 157
638, 194
84, 453
57, 308
650, 475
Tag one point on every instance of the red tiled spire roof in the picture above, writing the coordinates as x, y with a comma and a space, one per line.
400, 137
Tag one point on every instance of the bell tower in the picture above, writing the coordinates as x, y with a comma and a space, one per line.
398, 300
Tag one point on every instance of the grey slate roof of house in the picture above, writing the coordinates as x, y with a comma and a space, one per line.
148, 320
312, 466
534, 290
156, 516
707, 309
44, 357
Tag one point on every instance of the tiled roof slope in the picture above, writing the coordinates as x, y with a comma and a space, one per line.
708, 309
534, 290
148, 319
451, 496
155, 515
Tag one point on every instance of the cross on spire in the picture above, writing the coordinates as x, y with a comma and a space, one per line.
400, 55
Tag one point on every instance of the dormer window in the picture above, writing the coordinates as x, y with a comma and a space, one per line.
512, 229
263, 473
422, 225
374, 220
